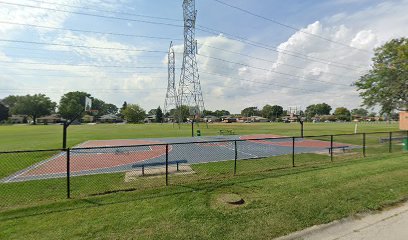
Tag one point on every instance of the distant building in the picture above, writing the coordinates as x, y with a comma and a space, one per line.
18, 119
150, 118
110, 118
51, 119
210, 118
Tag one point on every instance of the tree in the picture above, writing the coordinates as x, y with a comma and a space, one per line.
342, 114
372, 114
220, 113
10, 102
250, 111
385, 84
4, 112
359, 112
183, 111
124, 106
34, 106
111, 108
317, 109
267, 111
208, 113
133, 113
272, 112
72, 103
159, 115
103, 108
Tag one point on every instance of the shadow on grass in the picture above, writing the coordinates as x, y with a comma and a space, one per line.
173, 190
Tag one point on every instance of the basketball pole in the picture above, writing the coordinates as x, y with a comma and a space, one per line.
65, 127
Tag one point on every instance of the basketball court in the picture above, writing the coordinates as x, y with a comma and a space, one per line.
111, 156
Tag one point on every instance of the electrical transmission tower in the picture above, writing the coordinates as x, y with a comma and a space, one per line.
189, 86
171, 95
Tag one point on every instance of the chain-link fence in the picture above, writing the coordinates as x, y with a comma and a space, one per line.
45, 175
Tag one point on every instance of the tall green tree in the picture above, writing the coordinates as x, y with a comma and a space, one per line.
4, 112
359, 112
159, 115
272, 112
250, 111
181, 112
385, 84
342, 114
111, 108
317, 109
10, 102
34, 106
72, 103
133, 113
220, 113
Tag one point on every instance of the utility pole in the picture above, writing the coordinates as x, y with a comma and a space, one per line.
171, 95
189, 91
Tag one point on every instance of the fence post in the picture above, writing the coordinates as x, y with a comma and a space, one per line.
236, 157
293, 151
364, 145
68, 173
390, 143
167, 164
331, 148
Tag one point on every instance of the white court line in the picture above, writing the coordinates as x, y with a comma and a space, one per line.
232, 149
35, 166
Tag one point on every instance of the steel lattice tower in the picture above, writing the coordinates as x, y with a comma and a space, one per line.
189, 86
171, 95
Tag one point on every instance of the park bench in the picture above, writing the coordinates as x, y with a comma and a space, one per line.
384, 140
226, 132
344, 148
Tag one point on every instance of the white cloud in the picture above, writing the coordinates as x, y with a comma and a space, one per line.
36, 16
98, 49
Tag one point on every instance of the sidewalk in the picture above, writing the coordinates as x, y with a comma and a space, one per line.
390, 224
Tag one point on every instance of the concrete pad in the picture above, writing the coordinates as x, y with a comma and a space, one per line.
391, 224
154, 172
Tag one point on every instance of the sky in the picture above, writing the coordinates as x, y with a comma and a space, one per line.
251, 53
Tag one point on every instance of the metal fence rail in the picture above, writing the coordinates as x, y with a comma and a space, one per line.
76, 172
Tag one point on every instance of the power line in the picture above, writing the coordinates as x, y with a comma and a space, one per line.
309, 91
288, 26
109, 11
126, 19
131, 35
91, 31
92, 15
269, 70
266, 60
90, 90
80, 46
76, 71
286, 52
83, 65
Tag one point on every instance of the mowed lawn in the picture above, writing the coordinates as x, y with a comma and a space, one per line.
279, 198
276, 203
25, 137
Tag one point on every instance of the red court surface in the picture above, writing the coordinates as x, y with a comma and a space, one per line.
106, 158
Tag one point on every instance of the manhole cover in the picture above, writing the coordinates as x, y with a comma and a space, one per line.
232, 198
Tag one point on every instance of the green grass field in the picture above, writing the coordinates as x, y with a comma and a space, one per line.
18, 137
278, 198
276, 203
